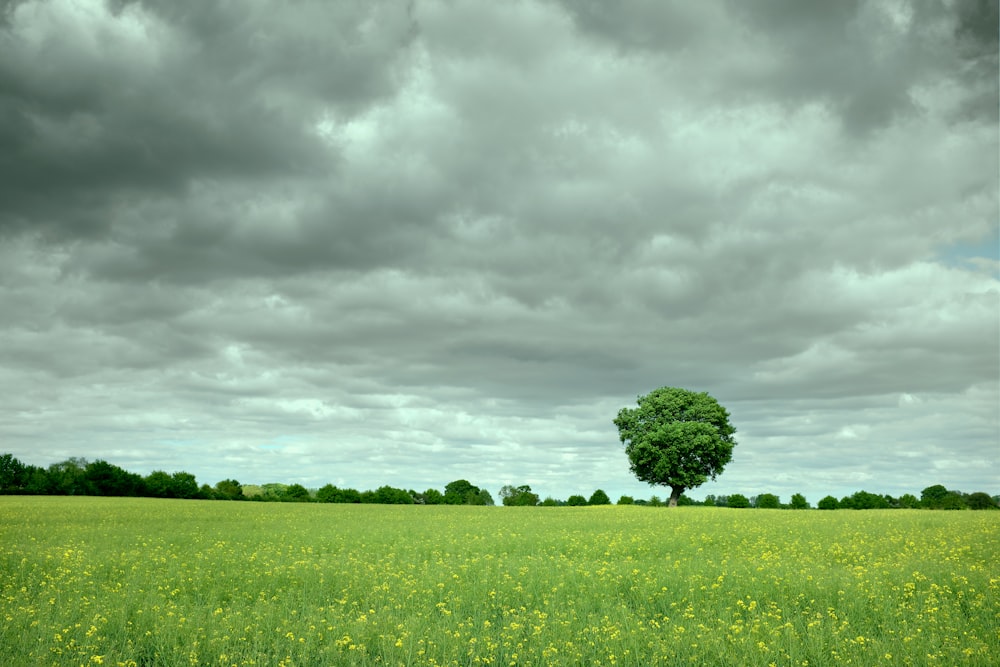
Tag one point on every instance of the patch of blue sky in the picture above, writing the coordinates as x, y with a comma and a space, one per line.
983, 255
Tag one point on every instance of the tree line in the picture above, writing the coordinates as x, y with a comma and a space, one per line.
78, 476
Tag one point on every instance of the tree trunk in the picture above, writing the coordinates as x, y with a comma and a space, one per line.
675, 493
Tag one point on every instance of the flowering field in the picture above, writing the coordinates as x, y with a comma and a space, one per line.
88, 581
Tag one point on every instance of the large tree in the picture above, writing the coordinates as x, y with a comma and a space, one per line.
676, 438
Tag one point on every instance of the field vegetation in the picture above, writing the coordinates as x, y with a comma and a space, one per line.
139, 581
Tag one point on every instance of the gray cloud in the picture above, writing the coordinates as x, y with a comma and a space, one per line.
377, 243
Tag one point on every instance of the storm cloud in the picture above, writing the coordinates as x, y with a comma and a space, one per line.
405, 243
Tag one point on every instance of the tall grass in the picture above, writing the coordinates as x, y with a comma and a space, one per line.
87, 581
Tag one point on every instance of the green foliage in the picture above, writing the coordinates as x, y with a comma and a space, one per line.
980, 501
799, 502
626, 500
737, 500
908, 501
599, 497
550, 502
296, 493
13, 475
433, 497
576, 500
828, 503
676, 438
862, 500
229, 489
105, 479
463, 492
768, 501
933, 496
329, 493
518, 496
387, 495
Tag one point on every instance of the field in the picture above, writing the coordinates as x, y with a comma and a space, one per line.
90, 581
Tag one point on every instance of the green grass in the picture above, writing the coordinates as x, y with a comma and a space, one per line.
87, 581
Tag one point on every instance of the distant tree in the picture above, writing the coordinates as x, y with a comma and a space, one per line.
433, 497
599, 497
655, 501
908, 501
326, 494
518, 496
685, 500
738, 500
229, 489
576, 500
954, 501
484, 498
626, 500
13, 475
69, 477
37, 481
980, 501
185, 485
862, 500
160, 484
388, 495
828, 503
933, 496
676, 438
799, 502
460, 492
721, 501
352, 496
768, 501
550, 502
296, 493
105, 479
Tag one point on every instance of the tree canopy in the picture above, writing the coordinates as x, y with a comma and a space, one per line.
676, 438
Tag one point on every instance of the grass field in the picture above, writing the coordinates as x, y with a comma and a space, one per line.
88, 581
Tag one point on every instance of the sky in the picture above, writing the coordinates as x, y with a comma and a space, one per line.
369, 243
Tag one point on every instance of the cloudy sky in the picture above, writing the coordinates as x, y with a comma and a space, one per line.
401, 243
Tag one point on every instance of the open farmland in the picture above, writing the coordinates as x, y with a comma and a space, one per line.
86, 581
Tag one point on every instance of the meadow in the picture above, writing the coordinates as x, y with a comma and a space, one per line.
136, 582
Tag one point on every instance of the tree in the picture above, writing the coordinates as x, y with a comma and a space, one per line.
599, 497
518, 496
229, 489
433, 497
463, 492
909, 501
933, 496
626, 500
106, 479
828, 503
69, 477
738, 500
980, 500
799, 502
296, 493
676, 438
576, 500
185, 485
13, 474
768, 501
